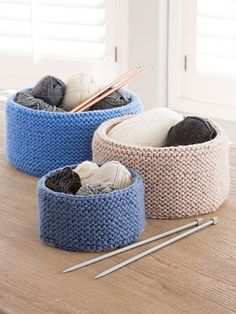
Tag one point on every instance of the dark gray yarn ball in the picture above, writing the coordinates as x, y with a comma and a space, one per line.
67, 181
50, 89
116, 99
192, 130
26, 99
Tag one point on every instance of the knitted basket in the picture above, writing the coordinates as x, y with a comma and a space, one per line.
40, 141
94, 222
179, 181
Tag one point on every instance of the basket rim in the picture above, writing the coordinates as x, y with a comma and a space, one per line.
41, 186
103, 129
10, 101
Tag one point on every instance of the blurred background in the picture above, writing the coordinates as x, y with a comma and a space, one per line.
190, 43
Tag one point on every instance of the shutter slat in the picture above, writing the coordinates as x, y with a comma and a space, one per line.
70, 49
217, 9
221, 46
15, 11
16, 45
216, 65
70, 15
15, 28
54, 31
73, 3
215, 28
61, 28
216, 37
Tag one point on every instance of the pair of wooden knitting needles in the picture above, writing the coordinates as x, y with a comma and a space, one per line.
197, 225
121, 81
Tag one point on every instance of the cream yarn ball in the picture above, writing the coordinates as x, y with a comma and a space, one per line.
79, 87
112, 174
149, 128
86, 170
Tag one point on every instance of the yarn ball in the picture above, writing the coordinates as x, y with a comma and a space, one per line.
50, 89
116, 99
93, 189
26, 99
67, 181
112, 174
78, 88
149, 128
192, 130
86, 170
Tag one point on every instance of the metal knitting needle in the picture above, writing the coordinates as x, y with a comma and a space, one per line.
213, 221
197, 222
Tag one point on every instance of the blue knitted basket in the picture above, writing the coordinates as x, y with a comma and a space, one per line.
94, 222
40, 141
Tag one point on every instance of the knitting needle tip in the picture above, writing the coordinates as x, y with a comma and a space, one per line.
71, 269
100, 275
215, 220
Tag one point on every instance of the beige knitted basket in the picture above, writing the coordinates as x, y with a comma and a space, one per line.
180, 181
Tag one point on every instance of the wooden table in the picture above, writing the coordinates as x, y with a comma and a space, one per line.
194, 275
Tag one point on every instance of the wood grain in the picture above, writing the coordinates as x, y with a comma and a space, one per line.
194, 275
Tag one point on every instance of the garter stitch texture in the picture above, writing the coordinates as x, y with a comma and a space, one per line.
179, 181
94, 222
39, 141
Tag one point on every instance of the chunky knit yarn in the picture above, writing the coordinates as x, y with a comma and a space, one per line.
192, 130
50, 89
39, 141
92, 189
26, 99
67, 181
179, 181
112, 174
91, 223
116, 99
86, 170
80, 87
147, 129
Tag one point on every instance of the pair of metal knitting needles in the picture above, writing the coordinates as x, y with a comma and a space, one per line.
197, 225
121, 81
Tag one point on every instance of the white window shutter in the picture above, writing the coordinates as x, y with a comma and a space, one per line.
64, 29
216, 37
202, 57
58, 37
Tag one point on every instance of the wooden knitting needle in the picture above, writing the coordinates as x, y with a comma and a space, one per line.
213, 221
135, 68
113, 89
197, 222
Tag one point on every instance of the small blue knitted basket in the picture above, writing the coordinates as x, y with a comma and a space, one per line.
40, 141
91, 223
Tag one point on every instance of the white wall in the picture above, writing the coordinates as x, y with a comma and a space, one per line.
148, 45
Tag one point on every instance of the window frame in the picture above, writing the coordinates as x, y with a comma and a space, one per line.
182, 92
